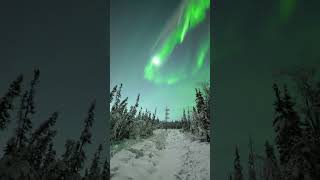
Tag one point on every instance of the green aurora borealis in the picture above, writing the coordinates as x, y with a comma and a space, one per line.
194, 12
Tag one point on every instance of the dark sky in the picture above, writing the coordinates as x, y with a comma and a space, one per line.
67, 41
253, 40
135, 27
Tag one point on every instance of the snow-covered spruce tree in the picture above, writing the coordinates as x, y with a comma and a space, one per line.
194, 122
184, 121
129, 118
6, 102
125, 122
114, 90
198, 121
189, 120
200, 106
119, 114
251, 162
271, 169
206, 96
146, 128
137, 125
115, 113
237, 174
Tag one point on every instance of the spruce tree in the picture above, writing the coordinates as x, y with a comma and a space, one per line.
79, 156
6, 102
184, 120
271, 169
95, 170
286, 125
70, 147
237, 175
49, 159
296, 165
200, 104
189, 119
114, 90
117, 100
251, 162
106, 170
27, 109
40, 141
44, 128
24, 124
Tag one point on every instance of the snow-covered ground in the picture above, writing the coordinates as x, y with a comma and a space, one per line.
167, 155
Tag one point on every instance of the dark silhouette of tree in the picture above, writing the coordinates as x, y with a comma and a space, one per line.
27, 109
6, 102
251, 162
237, 175
95, 170
49, 159
286, 125
41, 140
106, 170
30, 154
230, 177
293, 148
78, 158
271, 169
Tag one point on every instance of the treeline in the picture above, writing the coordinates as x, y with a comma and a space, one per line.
197, 120
129, 123
171, 125
297, 128
30, 155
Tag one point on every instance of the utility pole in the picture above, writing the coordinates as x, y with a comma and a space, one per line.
167, 116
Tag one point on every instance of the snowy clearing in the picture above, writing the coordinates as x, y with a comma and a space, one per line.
167, 155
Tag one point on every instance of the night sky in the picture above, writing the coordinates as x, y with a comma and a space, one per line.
252, 41
135, 27
66, 40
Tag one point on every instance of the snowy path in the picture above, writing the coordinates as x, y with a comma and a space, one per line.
167, 155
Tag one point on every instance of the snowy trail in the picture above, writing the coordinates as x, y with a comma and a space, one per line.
167, 155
